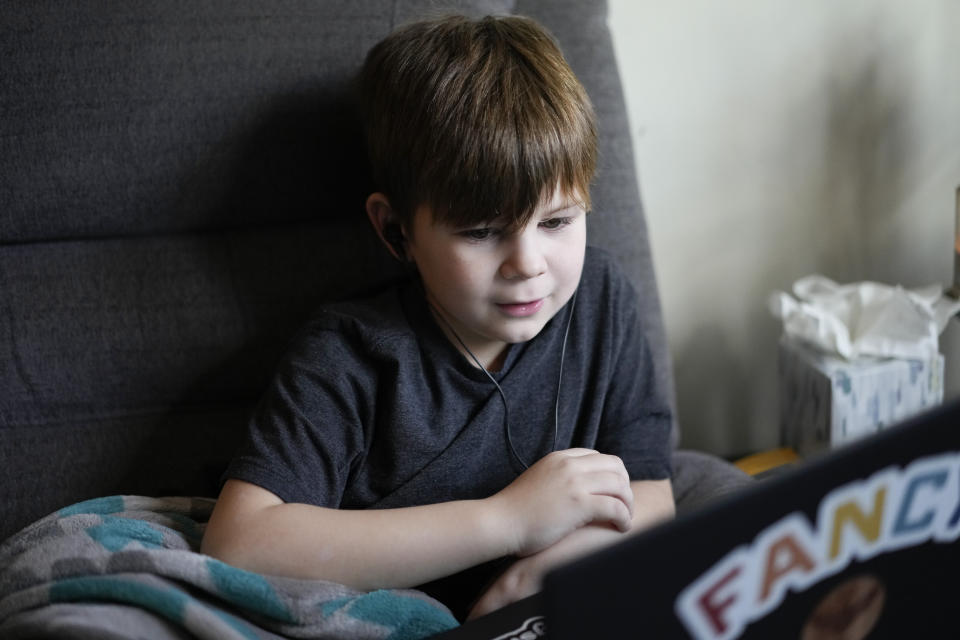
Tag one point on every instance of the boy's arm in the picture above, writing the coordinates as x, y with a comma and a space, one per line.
254, 529
653, 503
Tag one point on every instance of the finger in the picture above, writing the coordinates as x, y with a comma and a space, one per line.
612, 511
478, 610
595, 461
489, 602
611, 484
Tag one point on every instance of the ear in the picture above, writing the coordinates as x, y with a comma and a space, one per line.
387, 225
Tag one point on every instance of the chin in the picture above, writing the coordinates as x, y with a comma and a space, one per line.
523, 334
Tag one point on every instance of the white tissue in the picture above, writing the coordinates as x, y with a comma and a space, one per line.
865, 318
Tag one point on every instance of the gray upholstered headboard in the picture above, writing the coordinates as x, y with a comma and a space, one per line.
180, 183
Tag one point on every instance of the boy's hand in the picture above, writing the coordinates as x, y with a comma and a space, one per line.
525, 576
653, 503
562, 492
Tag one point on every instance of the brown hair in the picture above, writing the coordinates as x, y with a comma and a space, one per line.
479, 119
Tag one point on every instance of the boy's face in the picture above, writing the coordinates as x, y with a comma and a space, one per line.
496, 287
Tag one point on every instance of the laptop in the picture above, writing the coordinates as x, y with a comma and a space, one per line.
859, 543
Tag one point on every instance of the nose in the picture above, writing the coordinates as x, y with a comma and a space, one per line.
525, 258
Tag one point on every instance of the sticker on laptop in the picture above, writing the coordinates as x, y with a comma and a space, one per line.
531, 629
892, 509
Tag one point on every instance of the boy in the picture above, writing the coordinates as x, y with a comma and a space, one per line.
496, 415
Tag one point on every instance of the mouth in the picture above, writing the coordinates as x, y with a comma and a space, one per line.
521, 309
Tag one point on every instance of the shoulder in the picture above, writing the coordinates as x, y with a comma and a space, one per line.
354, 330
608, 307
600, 266
604, 282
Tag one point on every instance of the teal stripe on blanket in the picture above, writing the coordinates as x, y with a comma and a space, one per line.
107, 505
116, 533
169, 603
248, 590
332, 606
408, 617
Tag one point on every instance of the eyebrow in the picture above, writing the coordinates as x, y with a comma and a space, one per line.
563, 207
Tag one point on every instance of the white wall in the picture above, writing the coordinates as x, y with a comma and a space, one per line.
776, 139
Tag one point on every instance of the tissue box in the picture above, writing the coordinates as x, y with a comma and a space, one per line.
826, 400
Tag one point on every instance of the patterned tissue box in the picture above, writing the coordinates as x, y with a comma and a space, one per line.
826, 400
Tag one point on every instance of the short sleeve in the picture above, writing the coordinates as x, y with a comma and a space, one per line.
306, 432
637, 414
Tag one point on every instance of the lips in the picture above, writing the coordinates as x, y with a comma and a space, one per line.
521, 309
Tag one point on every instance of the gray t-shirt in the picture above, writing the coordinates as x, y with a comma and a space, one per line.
374, 408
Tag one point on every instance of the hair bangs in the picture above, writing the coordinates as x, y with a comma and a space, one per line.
525, 127
480, 120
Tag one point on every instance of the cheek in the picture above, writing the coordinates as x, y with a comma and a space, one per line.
570, 254
467, 279
454, 276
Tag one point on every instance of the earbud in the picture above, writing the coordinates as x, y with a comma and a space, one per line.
503, 398
393, 234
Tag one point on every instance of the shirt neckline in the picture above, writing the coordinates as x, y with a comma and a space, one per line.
431, 336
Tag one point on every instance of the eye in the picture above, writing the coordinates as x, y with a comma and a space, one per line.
478, 235
552, 224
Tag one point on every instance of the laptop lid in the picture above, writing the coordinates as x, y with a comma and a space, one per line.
859, 543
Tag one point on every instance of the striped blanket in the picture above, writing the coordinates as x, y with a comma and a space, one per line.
129, 567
